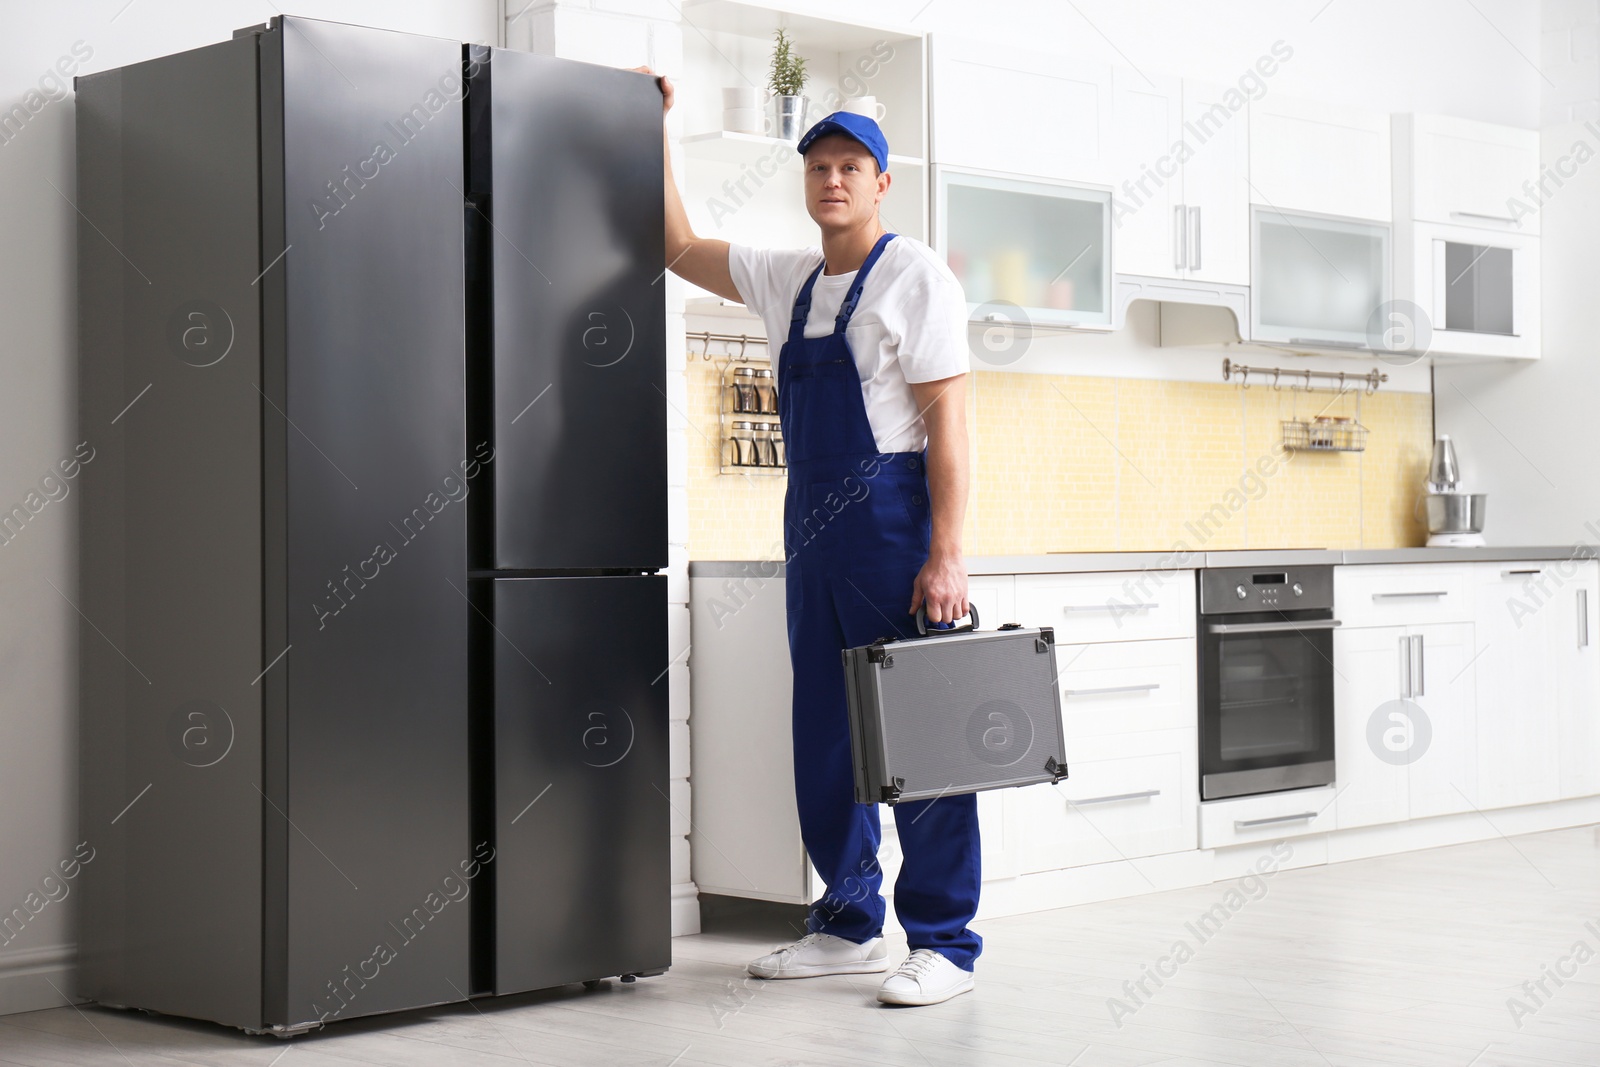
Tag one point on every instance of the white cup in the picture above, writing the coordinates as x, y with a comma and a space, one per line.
743, 120
865, 105
741, 97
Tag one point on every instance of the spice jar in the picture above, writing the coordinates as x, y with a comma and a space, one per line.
775, 439
744, 390
744, 444
766, 392
763, 444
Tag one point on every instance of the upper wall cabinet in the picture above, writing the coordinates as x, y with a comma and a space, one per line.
1466, 234
1322, 158
1013, 112
1463, 173
1181, 192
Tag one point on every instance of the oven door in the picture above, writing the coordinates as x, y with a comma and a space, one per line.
1266, 702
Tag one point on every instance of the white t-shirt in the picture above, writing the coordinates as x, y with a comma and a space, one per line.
910, 324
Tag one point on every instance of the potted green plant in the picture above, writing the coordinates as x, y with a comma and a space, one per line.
787, 79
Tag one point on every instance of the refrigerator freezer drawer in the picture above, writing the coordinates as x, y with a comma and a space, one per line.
579, 799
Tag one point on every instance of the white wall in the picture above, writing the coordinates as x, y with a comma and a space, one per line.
1518, 430
38, 627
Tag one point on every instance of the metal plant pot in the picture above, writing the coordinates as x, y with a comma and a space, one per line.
789, 117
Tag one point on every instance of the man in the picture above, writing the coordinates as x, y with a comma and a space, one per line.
871, 390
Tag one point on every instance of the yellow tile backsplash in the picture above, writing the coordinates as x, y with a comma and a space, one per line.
1071, 463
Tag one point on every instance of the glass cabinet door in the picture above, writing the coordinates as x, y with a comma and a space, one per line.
1474, 287
1043, 246
1316, 280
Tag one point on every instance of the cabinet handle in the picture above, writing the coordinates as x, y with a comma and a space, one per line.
1118, 796
1583, 618
1245, 824
1144, 687
1323, 342
1070, 608
1194, 243
1396, 596
1405, 666
1530, 570
1179, 239
1476, 215
1422, 670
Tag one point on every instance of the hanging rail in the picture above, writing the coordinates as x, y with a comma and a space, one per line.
705, 337
1369, 381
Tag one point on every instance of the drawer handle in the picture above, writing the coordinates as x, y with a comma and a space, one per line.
1530, 570
1396, 596
1142, 795
1143, 687
1246, 824
1069, 608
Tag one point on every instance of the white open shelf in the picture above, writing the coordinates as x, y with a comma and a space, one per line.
726, 146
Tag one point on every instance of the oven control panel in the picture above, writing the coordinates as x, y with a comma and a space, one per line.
1236, 590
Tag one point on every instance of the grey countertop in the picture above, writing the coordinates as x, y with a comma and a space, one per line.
1081, 562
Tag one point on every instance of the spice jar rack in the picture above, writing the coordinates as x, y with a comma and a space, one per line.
750, 437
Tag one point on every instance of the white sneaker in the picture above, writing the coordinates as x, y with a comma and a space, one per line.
816, 954
926, 977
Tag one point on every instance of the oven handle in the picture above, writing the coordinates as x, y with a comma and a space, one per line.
1272, 627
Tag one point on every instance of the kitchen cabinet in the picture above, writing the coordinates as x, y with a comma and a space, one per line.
1457, 171
1404, 656
1516, 608
1109, 606
1575, 629
1044, 247
1370, 668
1316, 281
1327, 159
1011, 110
1466, 235
1267, 817
1181, 191
1128, 713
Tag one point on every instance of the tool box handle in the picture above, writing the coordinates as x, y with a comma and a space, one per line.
940, 631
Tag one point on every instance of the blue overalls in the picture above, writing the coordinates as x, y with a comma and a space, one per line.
857, 527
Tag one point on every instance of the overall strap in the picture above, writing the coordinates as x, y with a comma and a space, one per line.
802, 306
848, 308
802, 301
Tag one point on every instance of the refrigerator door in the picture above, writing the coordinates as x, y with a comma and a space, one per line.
364, 417
582, 865
565, 216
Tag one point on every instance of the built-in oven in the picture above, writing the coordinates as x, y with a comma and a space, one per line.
1266, 679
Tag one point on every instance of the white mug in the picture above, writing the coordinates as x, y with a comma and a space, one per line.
741, 97
865, 105
744, 120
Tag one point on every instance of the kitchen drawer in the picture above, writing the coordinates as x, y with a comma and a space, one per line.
1126, 686
1110, 606
1111, 809
1240, 820
1402, 594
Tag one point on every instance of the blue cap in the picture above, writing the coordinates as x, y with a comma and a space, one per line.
859, 127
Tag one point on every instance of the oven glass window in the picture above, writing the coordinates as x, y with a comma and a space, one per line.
1269, 701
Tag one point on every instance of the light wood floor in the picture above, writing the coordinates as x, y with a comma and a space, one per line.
1402, 960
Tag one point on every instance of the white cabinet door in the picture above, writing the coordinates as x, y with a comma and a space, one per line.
1466, 173
1577, 667
1147, 215
1370, 682
1518, 759
1326, 158
1011, 111
1216, 185
1443, 772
